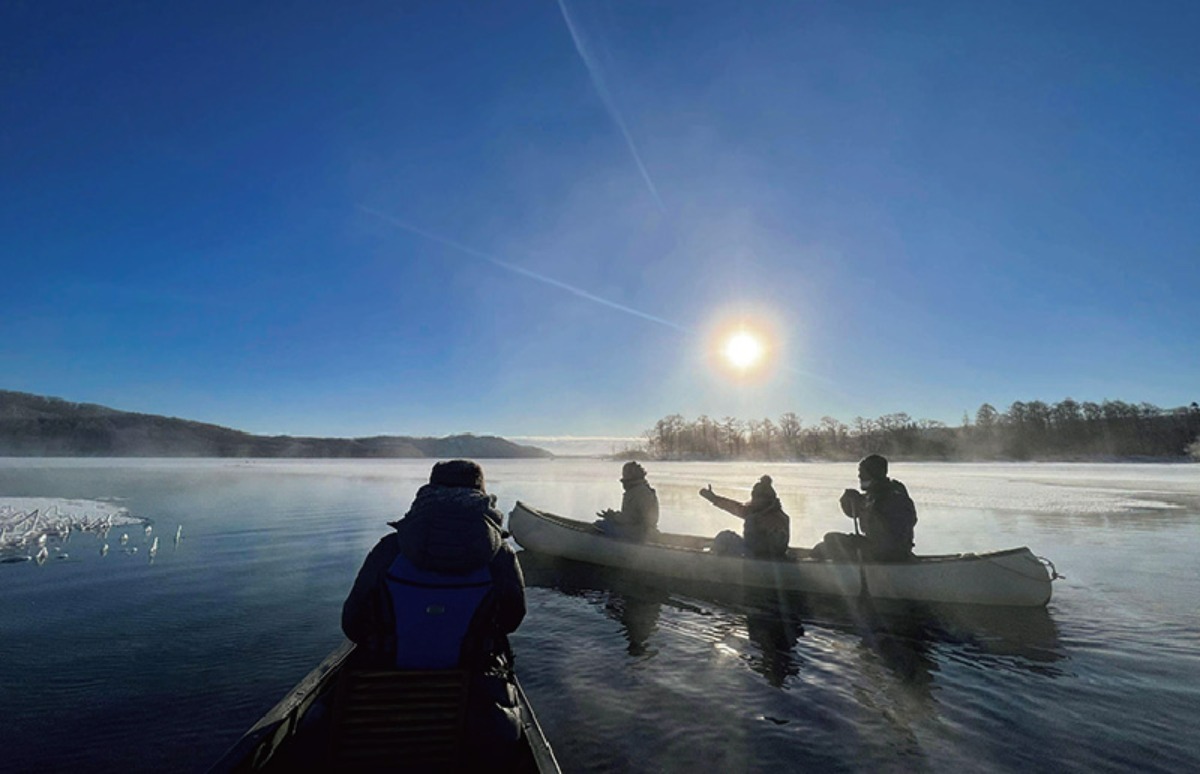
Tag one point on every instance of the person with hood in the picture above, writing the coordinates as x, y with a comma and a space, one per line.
444, 591
638, 517
767, 528
886, 513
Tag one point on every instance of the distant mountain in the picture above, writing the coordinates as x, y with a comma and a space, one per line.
38, 426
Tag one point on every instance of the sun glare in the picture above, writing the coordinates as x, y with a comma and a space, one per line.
743, 350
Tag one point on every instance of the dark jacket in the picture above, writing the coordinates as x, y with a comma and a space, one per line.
888, 519
767, 530
639, 509
448, 530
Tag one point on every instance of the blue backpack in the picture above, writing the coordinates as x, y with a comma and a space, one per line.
433, 613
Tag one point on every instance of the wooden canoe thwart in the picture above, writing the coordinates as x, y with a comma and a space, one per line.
1014, 577
338, 719
427, 723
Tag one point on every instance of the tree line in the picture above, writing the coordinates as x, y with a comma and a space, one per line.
1033, 430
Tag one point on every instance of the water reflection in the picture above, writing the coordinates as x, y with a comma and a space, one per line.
625, 598
638, 615
772, 623
904, 646
775, 634
909, 641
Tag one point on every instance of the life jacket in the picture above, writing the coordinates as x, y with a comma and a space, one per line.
433, 613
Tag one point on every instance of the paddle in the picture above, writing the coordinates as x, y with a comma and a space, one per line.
863, 591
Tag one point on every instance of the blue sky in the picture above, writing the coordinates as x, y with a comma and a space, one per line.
530, 218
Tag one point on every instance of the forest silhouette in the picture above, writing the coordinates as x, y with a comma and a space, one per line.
1033, 430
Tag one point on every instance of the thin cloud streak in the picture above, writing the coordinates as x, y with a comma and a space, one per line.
520, 270
609, 104
557, 283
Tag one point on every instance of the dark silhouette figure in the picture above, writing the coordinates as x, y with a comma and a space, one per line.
767, 529
638, 517
444, 591
887, 517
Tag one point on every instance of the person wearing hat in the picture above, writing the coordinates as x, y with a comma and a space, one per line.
638, 518
444, 591
885, 512
767, 528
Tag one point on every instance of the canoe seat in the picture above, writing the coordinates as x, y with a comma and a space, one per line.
399, 720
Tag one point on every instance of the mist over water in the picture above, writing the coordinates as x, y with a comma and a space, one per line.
118, 663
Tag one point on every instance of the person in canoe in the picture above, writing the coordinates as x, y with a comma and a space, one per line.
886, 513
444, 591
767, 528
638, 517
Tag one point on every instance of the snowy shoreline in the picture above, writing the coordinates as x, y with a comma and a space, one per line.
31, 524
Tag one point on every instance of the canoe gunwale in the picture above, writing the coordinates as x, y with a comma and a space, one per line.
282, 721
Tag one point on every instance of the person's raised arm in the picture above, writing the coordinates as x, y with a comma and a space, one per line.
724, 503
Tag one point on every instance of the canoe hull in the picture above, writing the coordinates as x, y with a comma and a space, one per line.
1014, 577
294, 734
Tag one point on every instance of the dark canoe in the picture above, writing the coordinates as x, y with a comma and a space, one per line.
297, 733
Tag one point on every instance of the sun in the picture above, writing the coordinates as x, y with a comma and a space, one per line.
743, 350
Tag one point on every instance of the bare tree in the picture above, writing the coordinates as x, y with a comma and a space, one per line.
790, 429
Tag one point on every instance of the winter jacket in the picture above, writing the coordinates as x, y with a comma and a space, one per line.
888, 518
639, 510
451, 531
767, 529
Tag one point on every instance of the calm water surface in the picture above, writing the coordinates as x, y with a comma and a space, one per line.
119, 663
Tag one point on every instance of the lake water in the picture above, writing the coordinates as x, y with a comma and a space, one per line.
120, 663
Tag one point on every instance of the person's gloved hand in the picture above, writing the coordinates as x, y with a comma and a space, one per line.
851, 500
607, 513
707, 493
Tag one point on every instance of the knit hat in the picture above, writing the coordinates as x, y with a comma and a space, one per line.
631, 471
460, 473
763, 491
873, 467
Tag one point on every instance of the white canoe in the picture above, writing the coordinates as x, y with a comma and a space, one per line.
1014, 577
